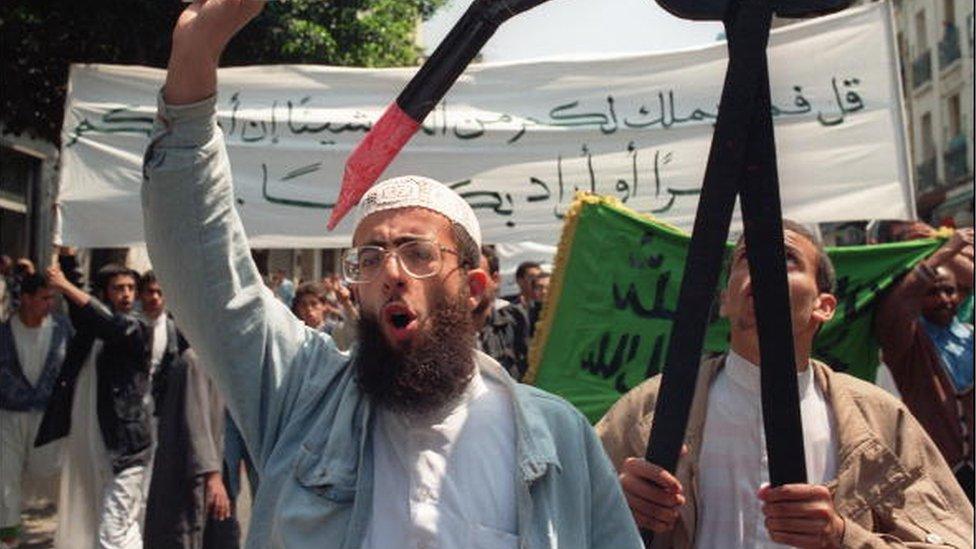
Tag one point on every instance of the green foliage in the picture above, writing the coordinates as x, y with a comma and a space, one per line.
41, 38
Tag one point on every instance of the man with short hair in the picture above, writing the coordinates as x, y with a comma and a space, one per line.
283, 287
930, 352
414, 440
503, 332
32, 348
311, 307
873, 475
524, 274
187, 501
103, 478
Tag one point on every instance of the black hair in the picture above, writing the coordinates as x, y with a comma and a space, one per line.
826, 276
31, 283
147, 278
525, 266
111, 271
491, 257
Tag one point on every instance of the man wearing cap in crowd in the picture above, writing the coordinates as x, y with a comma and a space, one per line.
413, 440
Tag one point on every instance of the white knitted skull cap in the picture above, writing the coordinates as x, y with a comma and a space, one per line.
414, 191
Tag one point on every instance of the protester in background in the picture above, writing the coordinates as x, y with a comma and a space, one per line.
524, 274
21, 269
888, 484
930, 352
342, 312
494, 272
100, 403
311, 307
413, 439
283, 287
33, 343
236, 460
540, 290
187, 496
903, 231
504, 334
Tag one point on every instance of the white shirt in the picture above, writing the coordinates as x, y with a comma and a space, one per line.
159, 341
447, 479
733, 464
32, 345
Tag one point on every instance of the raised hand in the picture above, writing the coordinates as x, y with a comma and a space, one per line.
200, 36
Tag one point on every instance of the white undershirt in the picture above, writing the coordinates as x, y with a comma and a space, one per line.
733, 464
447, 479
159, 341
32, 346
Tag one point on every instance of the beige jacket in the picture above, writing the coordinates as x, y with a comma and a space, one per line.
893, 488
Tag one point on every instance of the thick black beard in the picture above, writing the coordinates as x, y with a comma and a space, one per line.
432, 372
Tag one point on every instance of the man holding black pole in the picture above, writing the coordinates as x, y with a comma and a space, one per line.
875, 478
416, 439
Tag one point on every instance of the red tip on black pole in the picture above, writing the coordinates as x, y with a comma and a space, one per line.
402, 119
371, 156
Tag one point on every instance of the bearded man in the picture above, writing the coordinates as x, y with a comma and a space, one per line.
413, 440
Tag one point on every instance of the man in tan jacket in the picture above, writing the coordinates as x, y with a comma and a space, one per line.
875, 478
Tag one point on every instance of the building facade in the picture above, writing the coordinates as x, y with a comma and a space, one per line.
935, 43
28, 188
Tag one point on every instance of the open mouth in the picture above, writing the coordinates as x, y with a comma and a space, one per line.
402, 322
399, 320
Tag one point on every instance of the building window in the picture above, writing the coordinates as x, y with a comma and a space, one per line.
18, 173
956, 157
955, 116
926, 171
921, 33
928, 144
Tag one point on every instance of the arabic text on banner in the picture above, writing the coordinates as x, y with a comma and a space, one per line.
516, 140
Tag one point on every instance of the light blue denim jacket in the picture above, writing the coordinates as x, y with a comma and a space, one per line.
303, 418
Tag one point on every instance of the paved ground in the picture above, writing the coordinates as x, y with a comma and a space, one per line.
39, 524
41, 520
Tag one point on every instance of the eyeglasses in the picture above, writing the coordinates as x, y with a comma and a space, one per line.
418, 258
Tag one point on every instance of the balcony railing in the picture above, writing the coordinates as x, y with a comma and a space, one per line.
949, 49
955, 159
922, 69
926, 176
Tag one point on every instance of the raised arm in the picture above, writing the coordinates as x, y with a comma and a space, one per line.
897, 317
201, 34
247, 340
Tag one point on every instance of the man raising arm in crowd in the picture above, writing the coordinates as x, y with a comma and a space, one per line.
930, 352
416, 439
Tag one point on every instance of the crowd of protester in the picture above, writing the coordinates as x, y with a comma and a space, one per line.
112, 398
381, 409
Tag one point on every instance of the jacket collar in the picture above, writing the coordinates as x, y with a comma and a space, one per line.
534, 444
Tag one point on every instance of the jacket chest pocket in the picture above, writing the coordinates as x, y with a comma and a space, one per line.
328, 479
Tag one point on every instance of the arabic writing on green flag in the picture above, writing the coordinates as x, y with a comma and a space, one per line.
606, 324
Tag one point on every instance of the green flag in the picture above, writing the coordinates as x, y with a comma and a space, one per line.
611, 304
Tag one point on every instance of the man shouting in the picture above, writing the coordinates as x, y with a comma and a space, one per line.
416, 439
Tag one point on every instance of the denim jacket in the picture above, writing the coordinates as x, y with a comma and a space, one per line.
16, 392
303, 418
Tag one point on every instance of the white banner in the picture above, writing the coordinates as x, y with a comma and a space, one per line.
514, 139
